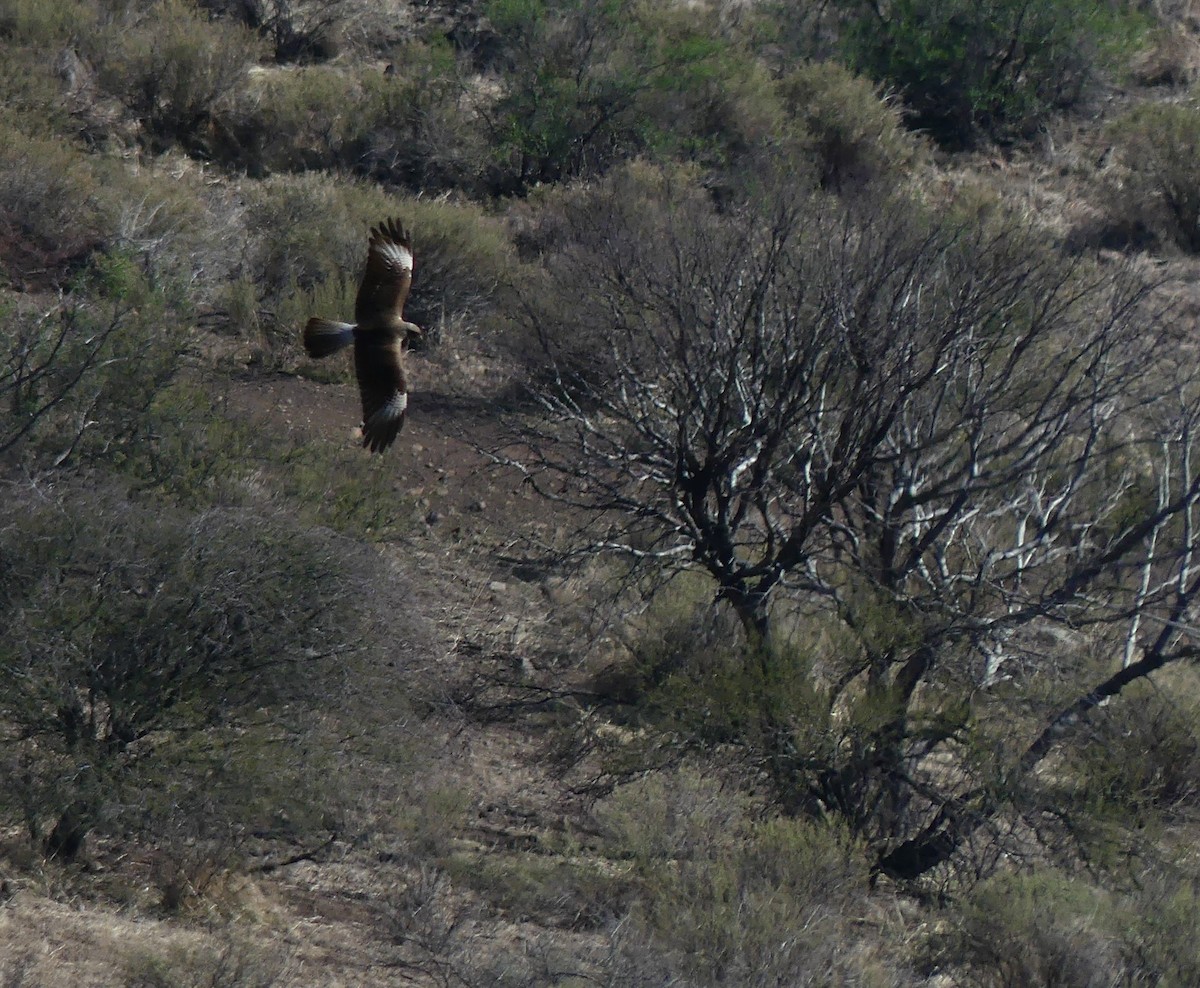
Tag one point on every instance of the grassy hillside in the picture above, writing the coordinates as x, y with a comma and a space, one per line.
786, 574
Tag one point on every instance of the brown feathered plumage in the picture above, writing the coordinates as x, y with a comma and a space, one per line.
378, 333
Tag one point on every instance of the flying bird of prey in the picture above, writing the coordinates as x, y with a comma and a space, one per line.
378, 333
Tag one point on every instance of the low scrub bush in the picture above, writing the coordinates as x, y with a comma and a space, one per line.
47, 23
1016, 930
53, 210
174, 68
1142, 758
851, 134
996, 69
32, 98
294, 32
63, 208
773, 905
405, 127
81, 375
1156, 932
550, 890
588, 84
291, 121
232, 964
1156, 187
136, 638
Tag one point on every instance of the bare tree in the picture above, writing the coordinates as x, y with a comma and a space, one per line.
937, 435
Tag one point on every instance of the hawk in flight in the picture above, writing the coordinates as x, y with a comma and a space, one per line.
378, 334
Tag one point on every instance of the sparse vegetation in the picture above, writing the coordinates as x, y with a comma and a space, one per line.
997, 69
787, 573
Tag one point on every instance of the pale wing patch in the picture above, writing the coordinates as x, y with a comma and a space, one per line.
396, 255
389, 412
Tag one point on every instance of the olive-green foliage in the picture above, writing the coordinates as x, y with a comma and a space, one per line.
298, 120
1044, 928
232, 964
1157, 928
52, 202
130, 630
672, 816
995, 69
705, 97
45, 23
851, 135
1158, 186
1141, 756
31, 97
202, 452
403, 128
334, 488
295, 32
723, 900
552, 890
173, 68
589, 82
63, 207
80, 375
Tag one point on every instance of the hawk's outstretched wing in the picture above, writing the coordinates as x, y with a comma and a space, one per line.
388, 274
378, 334
379, 366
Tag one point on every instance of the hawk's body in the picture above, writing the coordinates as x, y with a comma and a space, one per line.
378, 333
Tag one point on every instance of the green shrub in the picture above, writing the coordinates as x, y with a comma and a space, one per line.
1037, 929
47, 23
1157, 929
52, 205
851, 134
423, 134
225, 965
1157, 186
591, 82
703, 96
1141, 757
996, 69
772, 906
131, 631
62, 208
31, 97
80, 376
672, 816
174, 69
404, 128
295, 32
551, 890
292, 121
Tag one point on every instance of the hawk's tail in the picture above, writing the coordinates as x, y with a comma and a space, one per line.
324, 336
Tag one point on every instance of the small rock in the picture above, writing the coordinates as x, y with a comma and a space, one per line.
479, 505
433, 517
497, 586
